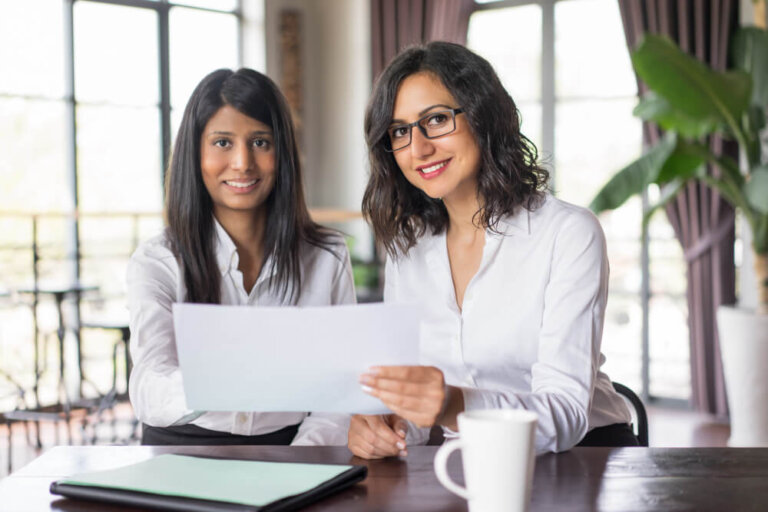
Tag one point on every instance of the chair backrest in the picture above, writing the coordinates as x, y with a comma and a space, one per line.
640, 416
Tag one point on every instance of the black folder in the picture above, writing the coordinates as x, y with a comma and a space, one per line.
114, 486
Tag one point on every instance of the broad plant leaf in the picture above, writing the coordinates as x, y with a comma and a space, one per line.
683, 163
760, 234
756, 118
692, 87
653, 107
754, 123
635, 177
756, 189
750, 54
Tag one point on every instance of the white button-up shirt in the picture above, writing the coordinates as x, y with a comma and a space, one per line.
528, 333
155, 282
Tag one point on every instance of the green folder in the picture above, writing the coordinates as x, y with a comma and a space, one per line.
181, 482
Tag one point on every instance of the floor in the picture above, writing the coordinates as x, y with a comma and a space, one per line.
667, 428
683, 428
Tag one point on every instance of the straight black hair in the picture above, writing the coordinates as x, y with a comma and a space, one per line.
509, 175
189, 208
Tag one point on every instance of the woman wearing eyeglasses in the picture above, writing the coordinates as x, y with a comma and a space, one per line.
512, 283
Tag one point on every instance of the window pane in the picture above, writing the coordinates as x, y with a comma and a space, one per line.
622, 334
669, 349
621, 338
670, 374
192, 56
119, 159
530, 117
33, 156
31, 50
593, 140
591, 62
116, 55
510, 39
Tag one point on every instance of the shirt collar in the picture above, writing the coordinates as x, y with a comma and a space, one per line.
227, 257
518, 224
226, 251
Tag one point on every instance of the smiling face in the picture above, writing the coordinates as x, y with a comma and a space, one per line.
445, 167
237, 159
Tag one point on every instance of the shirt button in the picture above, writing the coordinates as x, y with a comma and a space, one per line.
242, 418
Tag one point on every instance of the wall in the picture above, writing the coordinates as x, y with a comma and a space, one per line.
335, 57
336, 73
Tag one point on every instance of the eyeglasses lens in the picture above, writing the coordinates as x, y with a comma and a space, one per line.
433, 125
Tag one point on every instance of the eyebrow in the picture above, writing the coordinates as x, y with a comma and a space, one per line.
421, 113
220, 132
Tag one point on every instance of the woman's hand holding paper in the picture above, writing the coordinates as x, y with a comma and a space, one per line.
415, 393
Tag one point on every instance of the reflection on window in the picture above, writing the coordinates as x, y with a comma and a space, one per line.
595, 135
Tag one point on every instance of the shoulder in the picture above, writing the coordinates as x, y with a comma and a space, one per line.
157, 247
427, 248
154, 256
332, 252
562, 219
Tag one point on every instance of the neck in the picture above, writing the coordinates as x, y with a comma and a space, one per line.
461, 213
246, 230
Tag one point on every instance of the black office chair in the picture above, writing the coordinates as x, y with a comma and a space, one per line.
640, 417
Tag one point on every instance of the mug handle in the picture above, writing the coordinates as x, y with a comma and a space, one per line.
441, 471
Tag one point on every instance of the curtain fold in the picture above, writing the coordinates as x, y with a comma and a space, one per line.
703, 222
396, 24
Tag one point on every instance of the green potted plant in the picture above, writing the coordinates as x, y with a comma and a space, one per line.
690, 101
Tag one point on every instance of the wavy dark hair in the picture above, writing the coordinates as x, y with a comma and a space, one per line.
189, 208
509, 176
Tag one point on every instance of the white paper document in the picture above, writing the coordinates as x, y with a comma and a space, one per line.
245, 358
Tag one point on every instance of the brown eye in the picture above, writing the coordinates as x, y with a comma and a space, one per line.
398, 132
438, 119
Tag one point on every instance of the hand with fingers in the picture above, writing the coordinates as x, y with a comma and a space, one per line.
376, 437
415, 393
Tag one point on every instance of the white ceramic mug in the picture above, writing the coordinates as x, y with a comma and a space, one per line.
497, 448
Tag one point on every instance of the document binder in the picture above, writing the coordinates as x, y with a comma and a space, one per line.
202, 484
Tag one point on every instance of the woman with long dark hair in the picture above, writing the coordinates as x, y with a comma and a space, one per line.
511, 281
238, 232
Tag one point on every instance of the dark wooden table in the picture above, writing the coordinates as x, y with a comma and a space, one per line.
602, 479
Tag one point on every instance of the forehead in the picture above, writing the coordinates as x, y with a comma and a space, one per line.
418, 92
228, 118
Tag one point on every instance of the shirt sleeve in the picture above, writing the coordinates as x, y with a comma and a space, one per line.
322, 428
563, 377
414, 435
156, 388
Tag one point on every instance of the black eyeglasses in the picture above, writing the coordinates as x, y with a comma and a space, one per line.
433, 125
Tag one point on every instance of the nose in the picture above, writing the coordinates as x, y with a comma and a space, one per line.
241, 157
421, 146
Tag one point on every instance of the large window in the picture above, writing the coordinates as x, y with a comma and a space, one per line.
566, 64
91, 92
